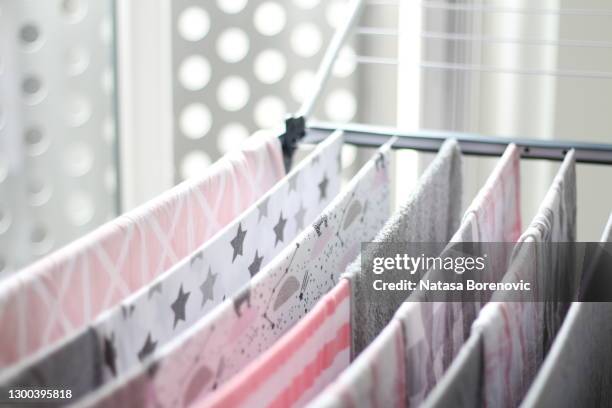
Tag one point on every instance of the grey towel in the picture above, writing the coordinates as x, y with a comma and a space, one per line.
578, 369
431, 213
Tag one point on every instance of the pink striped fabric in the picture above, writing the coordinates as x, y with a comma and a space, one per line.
61, 293
299, 365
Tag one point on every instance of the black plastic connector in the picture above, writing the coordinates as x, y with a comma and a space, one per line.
295, 130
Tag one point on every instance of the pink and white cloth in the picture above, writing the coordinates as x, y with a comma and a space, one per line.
239, 330
61, 293
296, 368
517, 335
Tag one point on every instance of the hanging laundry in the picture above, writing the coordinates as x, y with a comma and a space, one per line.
295, 369
61, 293
512, 334
241, 328
578, 369
430, 214
123, 337
435, 331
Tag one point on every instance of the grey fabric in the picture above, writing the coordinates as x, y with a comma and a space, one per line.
75, 365
578, 369
431, 213
462, 384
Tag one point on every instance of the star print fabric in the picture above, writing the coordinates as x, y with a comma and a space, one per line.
60, 294
153, 316
240, 329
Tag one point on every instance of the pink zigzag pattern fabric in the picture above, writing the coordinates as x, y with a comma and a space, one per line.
62, 292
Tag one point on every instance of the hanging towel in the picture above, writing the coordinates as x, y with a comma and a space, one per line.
430, 214
435, 331
578, 368
61, 293
299, 365
162, 310
240, 329
293, 374
511, 334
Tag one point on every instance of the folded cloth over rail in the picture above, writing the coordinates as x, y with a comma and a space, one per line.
241, 328
578, 369
152, 316
315, 351
400, 366
514, 336
61, 293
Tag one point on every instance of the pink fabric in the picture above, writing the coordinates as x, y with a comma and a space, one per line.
61, 293
298, 366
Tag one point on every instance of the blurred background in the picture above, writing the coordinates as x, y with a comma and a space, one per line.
106, 103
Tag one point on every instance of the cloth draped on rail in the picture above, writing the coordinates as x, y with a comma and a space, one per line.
295, 370
61, 293
514, 336
123, 337
241, 328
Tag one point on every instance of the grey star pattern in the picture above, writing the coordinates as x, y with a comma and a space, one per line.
155, 288
178, 306
323, 188
293, 183
299, 217
207, 287
279, 229
263, 209
110, 354
148, 348
238, 241
256, 264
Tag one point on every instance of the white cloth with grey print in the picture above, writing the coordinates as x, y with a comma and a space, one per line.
127, 334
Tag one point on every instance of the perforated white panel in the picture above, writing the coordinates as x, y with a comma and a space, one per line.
242, 65
57, 127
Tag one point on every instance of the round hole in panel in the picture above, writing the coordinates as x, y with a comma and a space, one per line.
3, 169
33, 89
79, 111
194, 72
233, 93
77, 60
269, 112
341, 105
110, 179
106, 31
349, 155
107, 82
36, 141
306, 40
39, 192
346, 63
193, 23
301, 84
108, 130
80, 209
195, 121
270, 18
40, 239
79, 159
306, 4
231, 137
233, 45
5, 220
29, 35
231, 6
270, 66
194, 164
335, 12
74, 10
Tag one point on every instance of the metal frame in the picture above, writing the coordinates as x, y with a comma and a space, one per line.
427, 141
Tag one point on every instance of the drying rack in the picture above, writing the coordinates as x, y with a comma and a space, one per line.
298, 126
